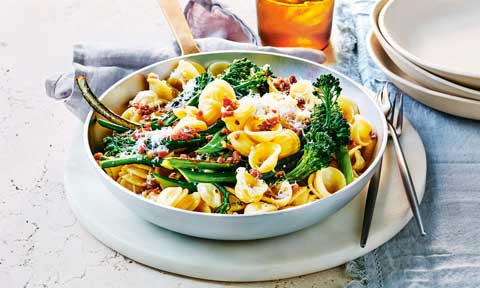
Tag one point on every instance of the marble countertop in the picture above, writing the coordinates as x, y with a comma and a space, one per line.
41, 243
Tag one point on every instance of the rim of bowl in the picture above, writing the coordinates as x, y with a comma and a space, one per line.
378, 34
412, 57
370, 168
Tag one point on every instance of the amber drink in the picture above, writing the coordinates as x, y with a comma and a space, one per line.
295, 23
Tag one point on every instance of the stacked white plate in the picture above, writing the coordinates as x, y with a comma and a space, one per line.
430, 49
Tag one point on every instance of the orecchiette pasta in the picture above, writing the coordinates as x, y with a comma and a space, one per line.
348, 107
259, 208
253, 131
211, 99
264, 156
299, 196
132, 114
189, 202
326, 181
184, 72
288, 141
280, 195
237, 119
248, 188
251, 135
241, 142
361, 131
218, 68
210, 194
172, 196
190, 123
160, 87
134, 176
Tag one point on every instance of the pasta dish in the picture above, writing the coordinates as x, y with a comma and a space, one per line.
233, 138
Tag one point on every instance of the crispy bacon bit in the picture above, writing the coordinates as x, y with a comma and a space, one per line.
146, 118
145, 109
236, 156
141, 149
183, 156
301, 103
255, 173
154, 190
281, 85
227, 113
279, 174
98, 156
221, 159
227, 102
269, 123
208, 137
199, 114
229, 160
182, 135
229, 146
225, 131
162, 153
373, 135
295, 187
147, 126
292, 79
159, 122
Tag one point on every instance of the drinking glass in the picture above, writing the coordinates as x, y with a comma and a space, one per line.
295, 23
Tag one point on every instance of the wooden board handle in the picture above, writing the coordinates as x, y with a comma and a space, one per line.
179, 26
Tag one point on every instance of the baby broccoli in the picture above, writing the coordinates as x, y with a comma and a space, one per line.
328, 132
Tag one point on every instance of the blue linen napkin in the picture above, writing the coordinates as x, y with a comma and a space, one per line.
450, 255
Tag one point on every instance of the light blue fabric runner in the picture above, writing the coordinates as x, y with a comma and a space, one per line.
450, 255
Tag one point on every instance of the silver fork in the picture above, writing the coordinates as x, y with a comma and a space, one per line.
394, 116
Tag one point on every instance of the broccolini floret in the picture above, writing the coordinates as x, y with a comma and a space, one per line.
246, 76
327, 133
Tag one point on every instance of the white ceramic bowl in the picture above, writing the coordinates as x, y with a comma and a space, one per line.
234, 227
462, 107
439, 35
421, 75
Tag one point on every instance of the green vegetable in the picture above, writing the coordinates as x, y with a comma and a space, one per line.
101, 109
344, 163
196, 176
225, 206
246, 76
165, 182
180, 163
117, 143
186, 98
327, 133
139, 159
215, 144
177, 144
112, 126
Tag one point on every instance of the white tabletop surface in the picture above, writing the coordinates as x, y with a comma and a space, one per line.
41, 242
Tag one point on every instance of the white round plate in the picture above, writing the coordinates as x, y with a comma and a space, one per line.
441, 36
463, 107
421, 75
319, 247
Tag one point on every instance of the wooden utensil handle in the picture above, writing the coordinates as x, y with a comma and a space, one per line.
179, 25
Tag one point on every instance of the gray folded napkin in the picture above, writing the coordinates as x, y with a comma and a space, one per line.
104, 64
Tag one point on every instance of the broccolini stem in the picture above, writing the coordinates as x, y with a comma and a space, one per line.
225, 206
140, 159
344, 164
